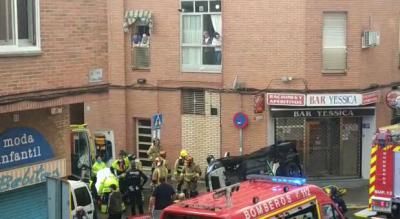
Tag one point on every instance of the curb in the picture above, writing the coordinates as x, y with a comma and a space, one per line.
357, 206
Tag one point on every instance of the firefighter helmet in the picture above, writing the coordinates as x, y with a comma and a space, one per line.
163, 154
189, 159
183, 153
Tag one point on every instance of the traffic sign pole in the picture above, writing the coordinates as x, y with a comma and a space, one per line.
241, 141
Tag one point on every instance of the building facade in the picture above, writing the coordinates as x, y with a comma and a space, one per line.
53, 58
312, 72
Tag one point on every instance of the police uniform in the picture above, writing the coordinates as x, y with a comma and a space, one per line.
135, 180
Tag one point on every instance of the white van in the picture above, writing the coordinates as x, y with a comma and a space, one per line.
65, 196
81, 196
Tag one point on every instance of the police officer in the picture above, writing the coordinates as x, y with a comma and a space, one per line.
191, 174
178, 167
135, 180
138, 163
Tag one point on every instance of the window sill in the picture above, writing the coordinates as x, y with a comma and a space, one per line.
140, 69
21, 52
334, 72
212, 69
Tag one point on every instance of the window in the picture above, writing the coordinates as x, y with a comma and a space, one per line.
82, 196
329, 212
305, 211
334, 43
19, 26
193, 102
201, 35
141, 46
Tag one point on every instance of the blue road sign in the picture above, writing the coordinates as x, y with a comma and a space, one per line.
240, 120
157, 121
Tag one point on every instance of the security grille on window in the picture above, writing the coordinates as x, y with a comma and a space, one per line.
334, 43
193, 102
19, 25
201, 35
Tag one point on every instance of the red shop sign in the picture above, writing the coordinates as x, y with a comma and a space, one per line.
282, 99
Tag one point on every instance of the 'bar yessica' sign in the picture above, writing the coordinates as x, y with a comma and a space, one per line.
19, 146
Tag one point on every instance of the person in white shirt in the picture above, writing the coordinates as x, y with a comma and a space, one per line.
216, 42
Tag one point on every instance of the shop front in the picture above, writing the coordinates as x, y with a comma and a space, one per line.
332, 141
27, 158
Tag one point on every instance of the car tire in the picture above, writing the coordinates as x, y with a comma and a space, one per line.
290, 170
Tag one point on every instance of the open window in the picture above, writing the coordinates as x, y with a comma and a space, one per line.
201, 35
139, 24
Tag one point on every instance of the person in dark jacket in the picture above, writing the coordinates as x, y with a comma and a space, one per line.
163, 196
135, 180
115, 203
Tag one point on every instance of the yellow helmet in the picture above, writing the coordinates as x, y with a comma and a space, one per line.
184, 153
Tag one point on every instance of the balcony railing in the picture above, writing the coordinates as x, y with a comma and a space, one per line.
141, 57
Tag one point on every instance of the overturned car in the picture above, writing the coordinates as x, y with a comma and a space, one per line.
279, 159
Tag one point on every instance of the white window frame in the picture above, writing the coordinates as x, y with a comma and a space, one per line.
201, 67
20, 47
344, 70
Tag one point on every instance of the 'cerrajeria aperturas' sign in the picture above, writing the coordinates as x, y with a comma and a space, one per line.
19, 146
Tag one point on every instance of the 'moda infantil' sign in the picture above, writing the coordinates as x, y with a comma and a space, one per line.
19, 146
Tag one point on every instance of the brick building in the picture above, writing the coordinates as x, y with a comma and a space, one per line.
324, 68
52, 57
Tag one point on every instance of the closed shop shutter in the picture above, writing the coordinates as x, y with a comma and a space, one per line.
28, 202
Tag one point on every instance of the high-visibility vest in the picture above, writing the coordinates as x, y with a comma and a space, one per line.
98, 166
117, 167
105, 184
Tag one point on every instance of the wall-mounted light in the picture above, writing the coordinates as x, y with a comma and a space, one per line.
286, 79
141, 81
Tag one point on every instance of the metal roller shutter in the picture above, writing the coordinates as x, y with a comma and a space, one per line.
29, 202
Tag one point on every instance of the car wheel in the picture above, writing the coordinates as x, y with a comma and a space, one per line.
290, 170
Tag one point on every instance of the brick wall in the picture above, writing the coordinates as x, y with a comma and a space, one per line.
201, 134
55, 128
73, 41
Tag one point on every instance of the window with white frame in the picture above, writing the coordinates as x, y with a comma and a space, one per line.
201, 35
19, 25
334, 42
193, 102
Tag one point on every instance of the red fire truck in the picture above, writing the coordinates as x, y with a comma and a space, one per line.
259, 197
384, 187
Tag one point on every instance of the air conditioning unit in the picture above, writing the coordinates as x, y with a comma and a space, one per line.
370, 39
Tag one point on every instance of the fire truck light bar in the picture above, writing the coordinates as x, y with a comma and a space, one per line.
279, 179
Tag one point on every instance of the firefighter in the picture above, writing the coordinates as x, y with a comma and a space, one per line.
98, 165
191, 174
154, 152
159, 171
105, 190
178, 167
135, 180
120, 166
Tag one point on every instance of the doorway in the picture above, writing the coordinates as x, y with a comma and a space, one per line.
322, 147
143, 140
